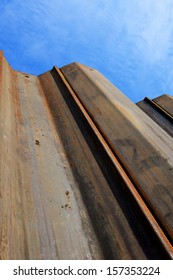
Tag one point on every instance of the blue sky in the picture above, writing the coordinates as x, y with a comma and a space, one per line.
128, 41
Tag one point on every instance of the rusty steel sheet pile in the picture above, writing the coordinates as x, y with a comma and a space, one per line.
84, 172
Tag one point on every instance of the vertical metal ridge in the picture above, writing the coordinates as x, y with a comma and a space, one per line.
142, 147
93, 174
147, 213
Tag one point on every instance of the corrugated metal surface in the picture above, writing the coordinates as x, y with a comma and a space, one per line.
84, 173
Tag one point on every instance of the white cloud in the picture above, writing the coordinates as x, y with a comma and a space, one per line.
122, 39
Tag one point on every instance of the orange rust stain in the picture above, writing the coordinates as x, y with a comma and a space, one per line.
16, 99
1, 66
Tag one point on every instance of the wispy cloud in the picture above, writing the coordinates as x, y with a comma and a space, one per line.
130, 42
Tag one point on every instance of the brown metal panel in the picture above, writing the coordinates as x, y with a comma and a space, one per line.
111, 225
41, 217
123, 177
166, 102
143, 148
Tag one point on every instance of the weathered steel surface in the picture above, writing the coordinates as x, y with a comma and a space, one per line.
42, 217
119, 169
143, 148
62, 196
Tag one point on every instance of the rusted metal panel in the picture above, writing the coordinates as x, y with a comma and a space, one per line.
64, 193
111, 225
143, 148
119, 170
41, 216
